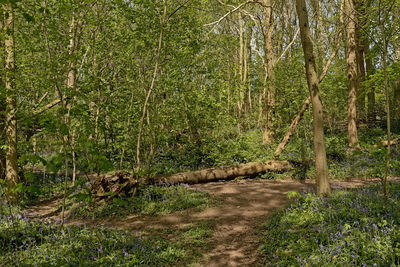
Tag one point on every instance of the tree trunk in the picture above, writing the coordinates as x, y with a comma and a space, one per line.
352, 74
269, 61
371, 90
396, 89
241, 65
11, 99
75, 30
306, 103
149, 92
292, 127
360, 52
2, 136
323, 186
223, 173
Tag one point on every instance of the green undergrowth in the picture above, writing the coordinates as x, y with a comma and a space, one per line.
25, 242
149, 200
349, 228
32, 242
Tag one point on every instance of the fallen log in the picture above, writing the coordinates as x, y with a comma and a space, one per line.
251, 169
121, 183
385, 143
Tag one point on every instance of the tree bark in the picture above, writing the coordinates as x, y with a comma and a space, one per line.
292, 127
223, 173
307, 102
322, 180
371, 91
352, 74
269, 61
11, 99
396, 89
241, 65
360, 52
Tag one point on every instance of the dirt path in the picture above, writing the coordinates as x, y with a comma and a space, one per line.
244, 207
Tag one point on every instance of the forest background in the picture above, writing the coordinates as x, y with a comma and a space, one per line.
158, 87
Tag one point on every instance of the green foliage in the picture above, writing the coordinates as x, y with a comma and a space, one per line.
351, 227
151, 200
197, 234
247, 147
30, 242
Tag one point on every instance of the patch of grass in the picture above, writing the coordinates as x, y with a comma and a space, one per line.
197, 234
150, 200
351, 227
25, 242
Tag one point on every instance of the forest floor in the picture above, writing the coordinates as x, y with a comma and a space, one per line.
243, 207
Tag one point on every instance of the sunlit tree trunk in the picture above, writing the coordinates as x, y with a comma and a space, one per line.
323, 186
269, 61
11, 99
352, 73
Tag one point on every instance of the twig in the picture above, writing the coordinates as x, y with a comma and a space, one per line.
227, 14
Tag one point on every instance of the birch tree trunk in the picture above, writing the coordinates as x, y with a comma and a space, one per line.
352, 73
11, 99
322, 182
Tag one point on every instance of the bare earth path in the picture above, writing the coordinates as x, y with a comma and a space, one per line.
244, 206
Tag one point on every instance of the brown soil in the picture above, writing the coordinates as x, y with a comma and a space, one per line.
244, 206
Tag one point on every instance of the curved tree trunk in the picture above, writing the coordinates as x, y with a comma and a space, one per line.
323, 186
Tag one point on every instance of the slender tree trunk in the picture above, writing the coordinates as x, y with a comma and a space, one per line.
153, 81
352, 74
269, 61
371, 90
2, 115
241, 65
387, 107
71, 84
396, 93
292, 127
11, 99
307, 102
323, 186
